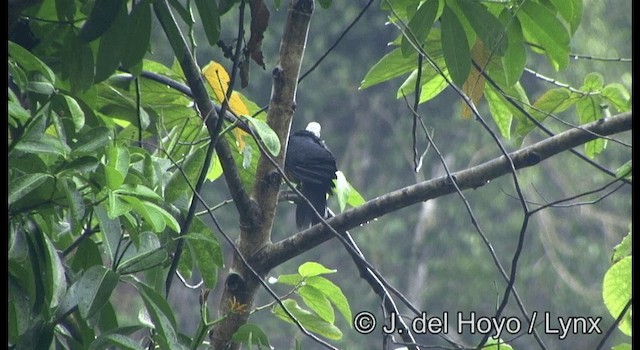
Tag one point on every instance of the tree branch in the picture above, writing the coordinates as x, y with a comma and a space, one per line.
474, 177
241, 284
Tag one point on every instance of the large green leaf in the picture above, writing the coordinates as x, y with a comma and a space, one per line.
102, 15
488, 28
210, 19
29, 62
616, 292
618, 96
139, 33
149, 254
311, 268
420, 25
455, 47
500, 112
310, 321
161, 314
179, 189
112, 47
570, 10
21, 186
318, 302
392, 65
541, 27
589, 110
206, 250
515, 57
332, 292
94, 289
266, 134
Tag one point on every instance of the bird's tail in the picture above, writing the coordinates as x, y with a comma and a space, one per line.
317, 195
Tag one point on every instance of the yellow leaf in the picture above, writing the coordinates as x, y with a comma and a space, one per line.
218, 79
474, 85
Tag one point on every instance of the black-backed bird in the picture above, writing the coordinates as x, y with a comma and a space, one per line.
311, 165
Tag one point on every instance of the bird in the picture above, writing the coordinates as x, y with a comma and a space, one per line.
312, 167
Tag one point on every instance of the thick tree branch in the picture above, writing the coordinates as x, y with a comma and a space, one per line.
474, 177
241, 284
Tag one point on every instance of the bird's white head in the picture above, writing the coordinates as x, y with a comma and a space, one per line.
314, 128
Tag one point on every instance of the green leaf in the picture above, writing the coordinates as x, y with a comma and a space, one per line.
102, 15
206, 251
117, 167
455, 47
488, 28
345, 193
21, 186
311, 268
392, 65
588, 111
178, 192
215, 170
267, 135
623, 346
430, 79
139, 33
515, 57
541, 26
73, 110
334, 294
117, 206
499, 109
623, 249
111, 230
149, 212
148, 255
310, 321
434, 87
210, 18
570, 10
112, 47
160, 312
555, 101
91, 141
616, 292
140, 191
318, 302
419, 26
94, 289
86, 255
29, 62
47, 144
169, 220
75, 201
77, 62
290, 279
251, 332
593, 82
41, 87
618, 96
54, 277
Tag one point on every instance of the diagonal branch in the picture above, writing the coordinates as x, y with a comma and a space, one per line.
474, 177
